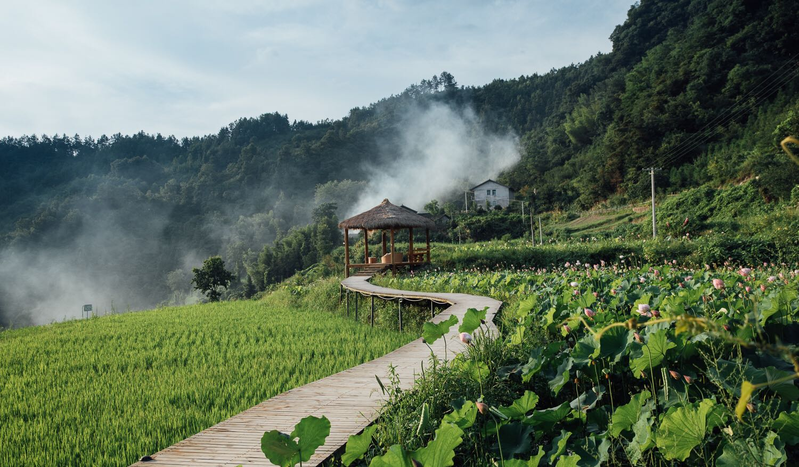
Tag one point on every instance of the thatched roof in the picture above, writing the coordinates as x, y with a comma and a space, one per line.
386, 216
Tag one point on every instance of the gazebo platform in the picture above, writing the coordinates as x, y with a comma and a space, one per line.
387, 217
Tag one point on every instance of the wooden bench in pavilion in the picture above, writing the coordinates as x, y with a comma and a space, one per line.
387, 217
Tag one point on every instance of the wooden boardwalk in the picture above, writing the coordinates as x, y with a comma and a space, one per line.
351, 399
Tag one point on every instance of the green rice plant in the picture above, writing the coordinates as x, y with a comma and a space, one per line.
109, 390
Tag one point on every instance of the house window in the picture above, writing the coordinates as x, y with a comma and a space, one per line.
488, 192
493, 192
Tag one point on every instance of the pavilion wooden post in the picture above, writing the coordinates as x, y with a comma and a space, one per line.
366, 246
410, 245
427, 237
393, 266
347, 255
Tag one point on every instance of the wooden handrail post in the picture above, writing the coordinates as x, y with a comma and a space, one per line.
383, 235
399, 312
346, 252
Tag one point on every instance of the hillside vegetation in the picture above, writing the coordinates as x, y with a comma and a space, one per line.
701, 88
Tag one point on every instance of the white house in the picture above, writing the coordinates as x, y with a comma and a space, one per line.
490, 194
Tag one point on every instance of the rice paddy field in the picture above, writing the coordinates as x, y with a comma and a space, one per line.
106, 391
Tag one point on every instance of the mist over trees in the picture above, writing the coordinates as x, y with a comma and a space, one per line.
702, 88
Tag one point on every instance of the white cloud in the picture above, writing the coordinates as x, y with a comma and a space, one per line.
189, 68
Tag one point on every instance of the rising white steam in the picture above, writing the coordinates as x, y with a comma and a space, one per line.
441, 151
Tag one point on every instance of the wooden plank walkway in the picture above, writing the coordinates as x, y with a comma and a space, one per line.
351, 399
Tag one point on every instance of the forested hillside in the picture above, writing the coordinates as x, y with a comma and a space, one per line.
702, 88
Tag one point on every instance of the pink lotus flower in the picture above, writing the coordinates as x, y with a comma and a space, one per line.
745, 271
589, 312
655, 313
748, 289
643, 308
674, 374
763, 287
596, 294
772, 278
466, 338
567, 328
685, 222
482, 407
574, 284
637, 337
718, 284
687, 379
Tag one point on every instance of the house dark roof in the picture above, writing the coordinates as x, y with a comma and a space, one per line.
387, 216
489, 180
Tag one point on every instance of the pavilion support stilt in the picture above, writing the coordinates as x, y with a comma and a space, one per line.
427, 237
366, 246
347, 255
393, 266
410, 246
383, 236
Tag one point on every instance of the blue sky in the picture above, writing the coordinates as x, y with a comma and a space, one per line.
189, 67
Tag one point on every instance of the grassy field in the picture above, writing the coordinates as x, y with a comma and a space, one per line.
109, 390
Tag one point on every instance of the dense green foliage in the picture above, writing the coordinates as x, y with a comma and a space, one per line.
109, 390
211, 278
302, 248
612, 366
702, 88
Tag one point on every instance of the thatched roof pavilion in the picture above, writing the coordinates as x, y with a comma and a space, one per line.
387, 217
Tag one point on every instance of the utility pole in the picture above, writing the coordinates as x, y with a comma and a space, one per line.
652, 178
532, 228
540, 232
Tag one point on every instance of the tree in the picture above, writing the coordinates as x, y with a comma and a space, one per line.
212, 277
433, 208
326, 234
447, 81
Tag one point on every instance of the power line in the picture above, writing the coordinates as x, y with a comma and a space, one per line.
768, 85
743, 99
